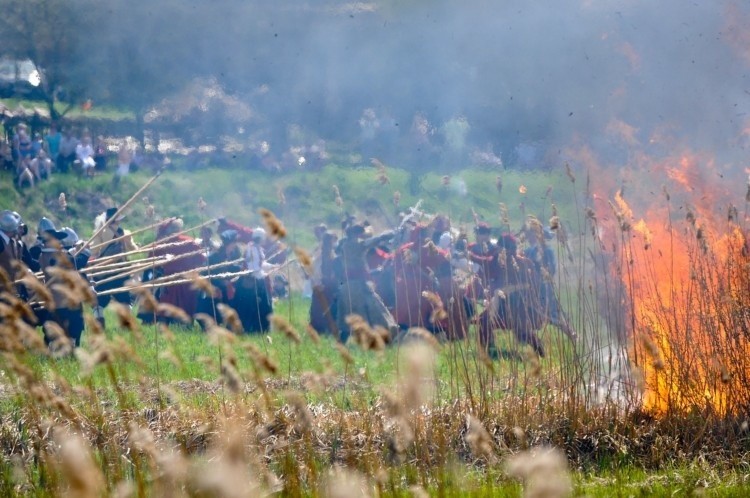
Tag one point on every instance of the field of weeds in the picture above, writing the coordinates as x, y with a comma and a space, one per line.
651, 399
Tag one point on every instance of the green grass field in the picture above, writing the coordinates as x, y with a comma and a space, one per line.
172, 382
148, 411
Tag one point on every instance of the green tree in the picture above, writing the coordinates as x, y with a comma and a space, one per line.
53, 34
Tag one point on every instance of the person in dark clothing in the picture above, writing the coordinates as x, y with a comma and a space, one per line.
229, 250
542, 255
59, 251
514, 302
324, 286
355, 295
113, 240
253, 301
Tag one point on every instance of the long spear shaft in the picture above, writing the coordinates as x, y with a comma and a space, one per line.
172, 236
119, 266
129, 234
124, 272
120, 210
151, 285
100, 261
169, 278
176, 257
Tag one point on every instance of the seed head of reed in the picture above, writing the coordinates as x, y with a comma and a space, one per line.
173, 312
261, 360
231, 376
76, 467
273, 224
304, 259
203, 285
147, 303
6, 283
424, 336
227, 470
504, 217
281, 324
303, 417
312, 334
432, 249
400, 436
125, 318
230, 317
366, 337
544, 472
690, 217
533, 365
479, 440
93, 326
346, 356
206, 320
346, 483
417, 381
89, 361
218, 335
60, 344
36, 288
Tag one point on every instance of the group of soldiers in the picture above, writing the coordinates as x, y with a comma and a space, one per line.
425, 275
430, 276
59, 273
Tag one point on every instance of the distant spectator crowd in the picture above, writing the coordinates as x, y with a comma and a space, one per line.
35, 158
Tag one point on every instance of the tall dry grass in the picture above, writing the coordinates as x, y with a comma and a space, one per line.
427, 429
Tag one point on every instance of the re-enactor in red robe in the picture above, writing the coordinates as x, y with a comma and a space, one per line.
181, 295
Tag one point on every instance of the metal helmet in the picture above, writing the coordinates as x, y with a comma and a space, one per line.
45, 225
259, 234
71, 237
9, 222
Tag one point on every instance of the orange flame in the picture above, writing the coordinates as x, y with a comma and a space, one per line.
685, 269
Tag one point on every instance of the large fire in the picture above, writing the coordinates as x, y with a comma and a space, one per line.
682, 259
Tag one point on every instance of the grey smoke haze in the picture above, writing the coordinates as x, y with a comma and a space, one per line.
520, 71
604, 73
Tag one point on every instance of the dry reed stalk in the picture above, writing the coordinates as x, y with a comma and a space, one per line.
76, 467
366, 337
479, 440
230, 317
274, 225
544, 472
281, 324
346, 483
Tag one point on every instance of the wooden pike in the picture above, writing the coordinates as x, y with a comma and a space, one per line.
100, 261
153, 264
174, 282
120, 265
169, 278
140, 264
172, 236
131, 233
120, 210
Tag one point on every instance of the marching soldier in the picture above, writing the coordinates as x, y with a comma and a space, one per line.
111, 241
60, 252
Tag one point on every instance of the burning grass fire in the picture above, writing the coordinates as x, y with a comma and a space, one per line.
683, 262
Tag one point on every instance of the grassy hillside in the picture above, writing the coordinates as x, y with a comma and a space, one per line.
301, 198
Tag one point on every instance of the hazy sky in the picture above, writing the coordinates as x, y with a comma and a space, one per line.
605, 72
